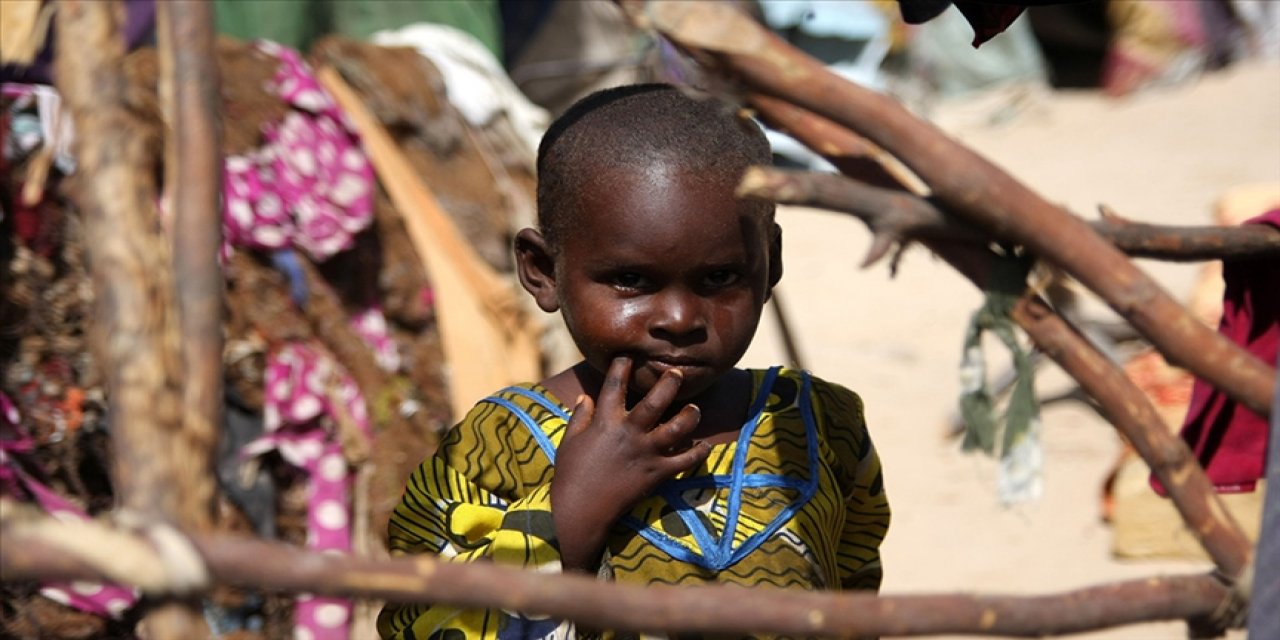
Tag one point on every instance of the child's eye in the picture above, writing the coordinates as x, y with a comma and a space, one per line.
629, 281
721, 278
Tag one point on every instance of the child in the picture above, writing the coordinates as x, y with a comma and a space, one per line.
654, 460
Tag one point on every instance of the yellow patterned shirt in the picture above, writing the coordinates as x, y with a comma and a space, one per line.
799, 494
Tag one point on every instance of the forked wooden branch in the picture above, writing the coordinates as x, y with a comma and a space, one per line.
35, 549
1121, 401
964, 182
894, 216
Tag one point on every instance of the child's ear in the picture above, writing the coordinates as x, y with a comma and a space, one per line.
537, 269
775, 256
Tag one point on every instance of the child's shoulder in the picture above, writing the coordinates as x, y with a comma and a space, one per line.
526, 407
517, 401
826, 396
837, 412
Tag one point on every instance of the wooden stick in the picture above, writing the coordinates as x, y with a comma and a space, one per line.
137, 344
1140, 240
136, 335
193, 168
1126, 407
784, 331
658, 609
966, 183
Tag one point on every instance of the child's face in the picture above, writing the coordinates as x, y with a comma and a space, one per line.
668, 268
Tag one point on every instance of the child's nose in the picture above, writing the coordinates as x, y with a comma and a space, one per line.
677, 313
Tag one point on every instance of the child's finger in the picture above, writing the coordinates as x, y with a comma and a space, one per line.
691, 457
650, 408
583, 410
674, 433
613, 392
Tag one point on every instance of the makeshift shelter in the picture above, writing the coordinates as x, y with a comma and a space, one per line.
288, 321
336, 292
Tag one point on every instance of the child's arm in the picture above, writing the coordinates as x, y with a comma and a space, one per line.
471, 502
866, 518
865, 523
611, 458
475, 499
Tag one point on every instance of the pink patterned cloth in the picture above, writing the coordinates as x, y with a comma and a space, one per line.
311, 187
371, 326
311, 184
100, 599
307, 394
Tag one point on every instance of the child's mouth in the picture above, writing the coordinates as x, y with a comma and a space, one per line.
686, 366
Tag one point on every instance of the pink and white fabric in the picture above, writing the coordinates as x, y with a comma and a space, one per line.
311, 185
371, 326
92, 597
306, 395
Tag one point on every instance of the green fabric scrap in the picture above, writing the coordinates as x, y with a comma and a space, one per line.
1018, 437
299, 23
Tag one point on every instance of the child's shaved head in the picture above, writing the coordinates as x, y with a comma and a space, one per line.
637, 128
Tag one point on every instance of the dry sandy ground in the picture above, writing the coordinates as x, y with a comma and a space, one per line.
1161, 157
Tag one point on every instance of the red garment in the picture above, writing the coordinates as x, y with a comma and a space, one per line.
1229, 440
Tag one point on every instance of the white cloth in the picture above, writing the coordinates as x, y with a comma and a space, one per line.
476, 83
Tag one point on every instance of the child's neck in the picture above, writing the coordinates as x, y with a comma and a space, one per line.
724, 406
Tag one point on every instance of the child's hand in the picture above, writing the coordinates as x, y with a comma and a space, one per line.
611, 458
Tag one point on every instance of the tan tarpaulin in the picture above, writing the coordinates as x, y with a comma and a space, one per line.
22, 28
490, 341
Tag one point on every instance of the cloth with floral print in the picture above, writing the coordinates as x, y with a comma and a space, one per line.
311, 184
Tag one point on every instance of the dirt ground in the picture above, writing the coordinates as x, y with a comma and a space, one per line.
1163, 157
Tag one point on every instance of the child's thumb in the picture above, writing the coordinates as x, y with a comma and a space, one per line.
583, 410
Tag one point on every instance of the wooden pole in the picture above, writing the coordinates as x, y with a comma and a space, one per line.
193, 169
784, 331
49, 550
1264, 614
136, 337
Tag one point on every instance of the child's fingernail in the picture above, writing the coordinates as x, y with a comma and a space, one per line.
677, 373
582, 397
